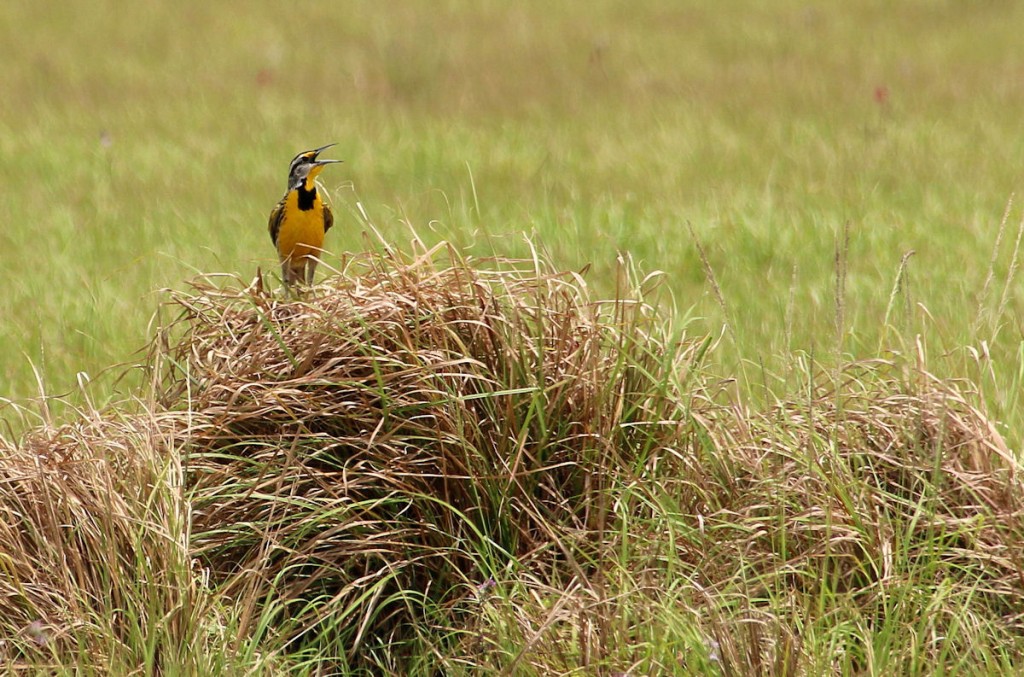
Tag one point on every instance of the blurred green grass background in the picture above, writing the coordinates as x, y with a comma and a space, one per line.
144, 143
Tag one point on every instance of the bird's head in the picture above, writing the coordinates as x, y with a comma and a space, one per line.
306, 166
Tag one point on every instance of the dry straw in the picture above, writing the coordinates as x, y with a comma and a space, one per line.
414, 426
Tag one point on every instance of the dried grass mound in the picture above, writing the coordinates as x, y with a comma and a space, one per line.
783, 542
346, 449
885, 492
876, 453
90, 522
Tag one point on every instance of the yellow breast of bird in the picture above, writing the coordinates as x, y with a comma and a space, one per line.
302, 230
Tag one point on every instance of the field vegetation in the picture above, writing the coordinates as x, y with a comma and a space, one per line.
653, 338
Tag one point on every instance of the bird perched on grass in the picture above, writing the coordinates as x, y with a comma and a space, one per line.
301, 219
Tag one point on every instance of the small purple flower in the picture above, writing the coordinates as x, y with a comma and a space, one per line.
484, 587
36, 631
713, 647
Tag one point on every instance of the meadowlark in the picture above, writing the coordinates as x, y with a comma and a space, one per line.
301, 219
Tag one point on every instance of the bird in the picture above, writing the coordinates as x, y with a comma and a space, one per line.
300, 220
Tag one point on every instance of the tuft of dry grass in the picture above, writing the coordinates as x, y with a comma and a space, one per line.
873, 526
885, 494
413, 426
95, 557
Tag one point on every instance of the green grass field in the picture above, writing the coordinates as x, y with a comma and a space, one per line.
817, 183
143, 145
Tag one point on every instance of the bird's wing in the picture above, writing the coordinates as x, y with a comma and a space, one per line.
276, 218
328, 218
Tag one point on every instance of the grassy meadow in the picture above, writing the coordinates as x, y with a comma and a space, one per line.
818, 184
143, 145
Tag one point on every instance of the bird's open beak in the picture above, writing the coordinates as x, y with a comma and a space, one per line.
322, 149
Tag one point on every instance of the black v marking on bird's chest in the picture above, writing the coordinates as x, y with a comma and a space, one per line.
306, 198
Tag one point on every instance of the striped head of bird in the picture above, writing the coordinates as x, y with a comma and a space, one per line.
305, 167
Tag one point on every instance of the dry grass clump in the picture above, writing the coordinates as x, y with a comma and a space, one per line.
882, 511
411, 427
882, 505
94, 554
871, 463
